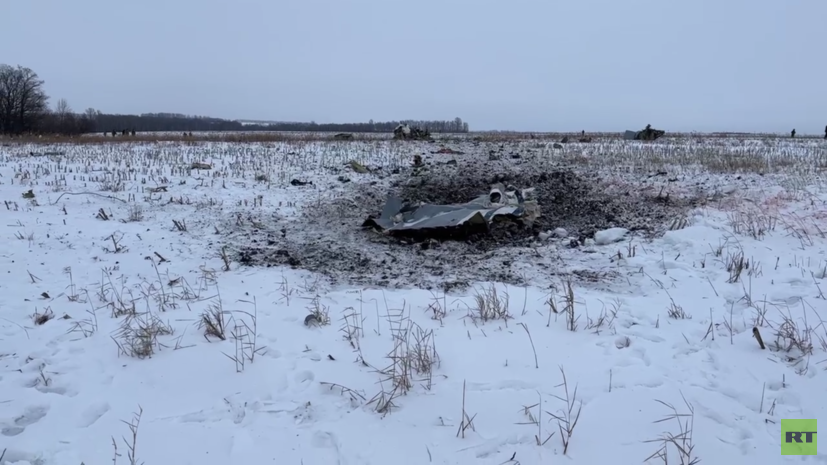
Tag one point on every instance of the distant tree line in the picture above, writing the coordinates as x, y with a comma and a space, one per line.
24, 109
149, 122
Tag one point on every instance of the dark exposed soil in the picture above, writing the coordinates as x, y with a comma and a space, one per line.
579, 203
328, 238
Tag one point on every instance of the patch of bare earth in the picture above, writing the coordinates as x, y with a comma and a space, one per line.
327, 238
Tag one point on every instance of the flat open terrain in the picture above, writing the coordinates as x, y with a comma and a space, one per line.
153, 309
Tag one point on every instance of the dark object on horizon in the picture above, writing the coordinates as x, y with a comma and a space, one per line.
405, 132
343, 136
648, 134
792, 133
825, 132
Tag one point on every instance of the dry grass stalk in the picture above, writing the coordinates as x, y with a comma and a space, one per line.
606, 318
86, 326
567, 419
413, 359
681, 444
180, 225
536, 362
117, 247
568, 307
214, 321
736, 264
135, 214
753, 223
438, 307
490, 304
249, 344
319, 312
794, 339
132, 442
351, 327
41, 318
537, 421
138, 334
344, 390
467, 422
225, 259
676, 311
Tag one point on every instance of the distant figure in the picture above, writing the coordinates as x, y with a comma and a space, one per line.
648, 127
792, 134
825, 132
583, 133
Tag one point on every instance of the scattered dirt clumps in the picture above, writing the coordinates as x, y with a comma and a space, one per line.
327, 237
580, 203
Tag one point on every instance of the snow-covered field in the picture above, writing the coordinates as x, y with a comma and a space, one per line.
130, 333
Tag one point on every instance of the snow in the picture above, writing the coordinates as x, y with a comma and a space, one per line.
610, 236
485, 392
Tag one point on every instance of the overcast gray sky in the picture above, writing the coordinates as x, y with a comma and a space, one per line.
534, 65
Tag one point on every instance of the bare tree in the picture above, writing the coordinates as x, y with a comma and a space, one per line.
62, 107
91, 114
22, 99
63, 112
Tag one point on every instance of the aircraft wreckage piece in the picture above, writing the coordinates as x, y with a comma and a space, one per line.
458, 221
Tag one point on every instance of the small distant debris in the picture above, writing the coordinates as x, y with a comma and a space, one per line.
343, 136
405, 132
357, 167
296, 182
47, 154
647, 134
28, 194
311, 320
557, 146
200, 166
449, 151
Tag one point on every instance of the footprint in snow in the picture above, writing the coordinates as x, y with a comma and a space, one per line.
302, 380
92, 414
30, 416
